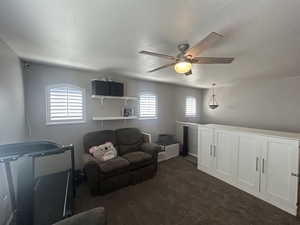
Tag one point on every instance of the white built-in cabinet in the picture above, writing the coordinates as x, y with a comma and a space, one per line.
223, 167
279, 172
261, 165
248, 163
205, 151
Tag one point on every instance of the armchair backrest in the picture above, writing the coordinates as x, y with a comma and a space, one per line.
98, 138
129, 140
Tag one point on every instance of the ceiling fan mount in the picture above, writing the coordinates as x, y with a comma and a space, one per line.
188, 56
183, 47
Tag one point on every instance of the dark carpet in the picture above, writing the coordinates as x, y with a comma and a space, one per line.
182, 195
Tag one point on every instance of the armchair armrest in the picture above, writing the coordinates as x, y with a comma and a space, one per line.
88, 159
151, 149
92, 170
95, 216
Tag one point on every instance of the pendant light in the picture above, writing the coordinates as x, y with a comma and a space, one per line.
213, 104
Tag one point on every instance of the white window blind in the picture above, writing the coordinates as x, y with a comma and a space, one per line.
65, 104
190, 106
148, 106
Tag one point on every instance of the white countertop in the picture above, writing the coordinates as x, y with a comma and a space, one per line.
270, 133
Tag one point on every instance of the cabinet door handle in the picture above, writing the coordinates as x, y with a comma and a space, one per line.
215, 147
210, 150
263, 165
256, 163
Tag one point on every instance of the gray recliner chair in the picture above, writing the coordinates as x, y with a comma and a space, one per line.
95, 216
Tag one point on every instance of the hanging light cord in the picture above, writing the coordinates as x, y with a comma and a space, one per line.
213, 95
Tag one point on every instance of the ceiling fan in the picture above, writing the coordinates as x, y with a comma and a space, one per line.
188, 56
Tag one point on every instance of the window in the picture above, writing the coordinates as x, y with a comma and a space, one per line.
65, 104
148, 106
190, 106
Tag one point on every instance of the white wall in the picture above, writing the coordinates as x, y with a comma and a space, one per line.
171, 102
12, 116
264, 104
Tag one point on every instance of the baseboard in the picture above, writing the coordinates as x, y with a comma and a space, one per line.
193, 154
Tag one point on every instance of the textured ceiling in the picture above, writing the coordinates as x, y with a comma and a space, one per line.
106, 36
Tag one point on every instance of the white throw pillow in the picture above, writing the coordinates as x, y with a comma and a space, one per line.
104, 152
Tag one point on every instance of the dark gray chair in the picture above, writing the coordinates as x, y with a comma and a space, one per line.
136, 161
95, 216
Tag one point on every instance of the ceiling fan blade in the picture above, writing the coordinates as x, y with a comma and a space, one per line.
204, 44
212, 60
158, 55
162, 67
189, 73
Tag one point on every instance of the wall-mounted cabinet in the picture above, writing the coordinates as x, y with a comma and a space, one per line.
261, 165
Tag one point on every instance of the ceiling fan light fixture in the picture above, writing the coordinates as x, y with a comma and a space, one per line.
187, 56
183, 67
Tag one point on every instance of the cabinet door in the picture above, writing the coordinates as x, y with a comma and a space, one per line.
279, 162
225, 156
205, 141
248, 163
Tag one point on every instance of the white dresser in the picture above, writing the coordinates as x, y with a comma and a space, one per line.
261, 162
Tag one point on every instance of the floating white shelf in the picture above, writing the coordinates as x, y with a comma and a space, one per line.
115, 118
114, 97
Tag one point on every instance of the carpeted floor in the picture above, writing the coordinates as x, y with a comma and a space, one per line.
182, 195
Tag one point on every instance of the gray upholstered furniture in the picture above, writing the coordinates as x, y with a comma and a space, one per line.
136, 161
95, 216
